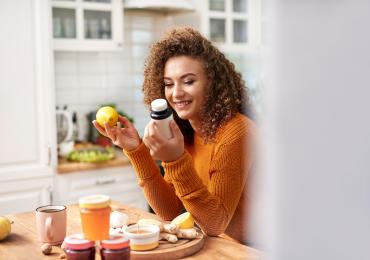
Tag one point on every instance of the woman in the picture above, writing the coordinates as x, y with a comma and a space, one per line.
206, 163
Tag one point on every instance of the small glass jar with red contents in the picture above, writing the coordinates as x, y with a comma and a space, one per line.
117, 247
78, 248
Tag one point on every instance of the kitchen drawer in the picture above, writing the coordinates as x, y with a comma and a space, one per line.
102, 180
119, 183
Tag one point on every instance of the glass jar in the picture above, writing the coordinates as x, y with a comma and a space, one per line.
95, 212
78, 248
116, 248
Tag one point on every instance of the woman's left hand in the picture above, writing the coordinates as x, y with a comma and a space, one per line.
166, 150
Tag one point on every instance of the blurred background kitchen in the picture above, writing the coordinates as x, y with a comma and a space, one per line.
63, 59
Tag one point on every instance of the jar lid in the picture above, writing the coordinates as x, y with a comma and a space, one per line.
94, 201
78, 242
159, 104
115, 242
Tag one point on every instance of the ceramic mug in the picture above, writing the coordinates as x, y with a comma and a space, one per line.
51, 224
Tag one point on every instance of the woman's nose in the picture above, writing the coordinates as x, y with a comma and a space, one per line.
178, 90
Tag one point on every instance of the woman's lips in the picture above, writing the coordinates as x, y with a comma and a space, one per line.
181, 104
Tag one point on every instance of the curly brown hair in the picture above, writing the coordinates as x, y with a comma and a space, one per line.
227, 94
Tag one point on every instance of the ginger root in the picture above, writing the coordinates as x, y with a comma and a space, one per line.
169, 237
188, 233
170, 232
168, 228
171, 228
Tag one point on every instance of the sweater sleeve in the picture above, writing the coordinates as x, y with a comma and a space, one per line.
218, 200
158, 191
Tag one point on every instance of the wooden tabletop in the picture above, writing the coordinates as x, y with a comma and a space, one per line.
23, 244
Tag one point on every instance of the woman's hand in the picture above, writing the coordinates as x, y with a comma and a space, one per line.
166, 150
126, 137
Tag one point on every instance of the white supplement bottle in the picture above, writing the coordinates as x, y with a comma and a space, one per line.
162, 115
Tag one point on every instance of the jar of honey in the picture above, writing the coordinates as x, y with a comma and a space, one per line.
78, 248
95, 212
116, 248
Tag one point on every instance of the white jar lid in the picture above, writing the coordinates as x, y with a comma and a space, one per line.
94, 201
159, 104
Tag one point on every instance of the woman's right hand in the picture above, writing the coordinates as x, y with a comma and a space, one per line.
125, 137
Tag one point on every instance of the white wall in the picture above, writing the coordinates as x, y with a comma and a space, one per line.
320, 130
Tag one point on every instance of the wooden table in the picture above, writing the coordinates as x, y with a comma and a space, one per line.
23, 244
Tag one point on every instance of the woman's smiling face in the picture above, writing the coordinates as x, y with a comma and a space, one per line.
185, 84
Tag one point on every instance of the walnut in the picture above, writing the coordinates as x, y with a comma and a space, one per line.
46, 249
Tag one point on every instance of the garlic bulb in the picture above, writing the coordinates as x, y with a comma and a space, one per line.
118, 219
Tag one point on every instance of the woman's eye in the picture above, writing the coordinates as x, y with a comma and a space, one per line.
189, 82
168, 85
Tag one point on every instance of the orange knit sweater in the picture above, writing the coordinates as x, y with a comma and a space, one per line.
208, 180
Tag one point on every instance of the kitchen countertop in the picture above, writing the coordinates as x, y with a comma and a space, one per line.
23, 244
65, 166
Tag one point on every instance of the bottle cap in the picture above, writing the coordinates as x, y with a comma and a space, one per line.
115, 242
77, 242
94, 201
159, 104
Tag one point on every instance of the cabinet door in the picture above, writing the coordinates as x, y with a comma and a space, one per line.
26, 94
233, 25
24, 195
87, 25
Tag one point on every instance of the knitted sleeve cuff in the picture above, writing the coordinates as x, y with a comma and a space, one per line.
183, 175
142, 161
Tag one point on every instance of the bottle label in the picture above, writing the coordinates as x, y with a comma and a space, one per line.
164, 127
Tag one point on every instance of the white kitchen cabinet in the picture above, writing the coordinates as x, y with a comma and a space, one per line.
119, 183
24, 194
233, 25
87, 25
27, 139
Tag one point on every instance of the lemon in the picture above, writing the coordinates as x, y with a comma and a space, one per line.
184, 220
107, 114
5, 227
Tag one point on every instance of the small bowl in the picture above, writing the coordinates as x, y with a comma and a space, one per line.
146, 239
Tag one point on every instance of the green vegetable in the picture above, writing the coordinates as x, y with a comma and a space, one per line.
91, 155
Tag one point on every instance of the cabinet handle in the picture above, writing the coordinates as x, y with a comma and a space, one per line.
105, 182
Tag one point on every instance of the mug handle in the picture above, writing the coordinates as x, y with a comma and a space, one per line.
48, 224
